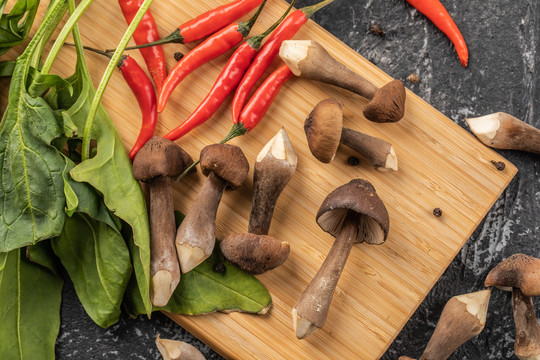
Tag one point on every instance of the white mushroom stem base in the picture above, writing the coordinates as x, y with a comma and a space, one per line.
309, 313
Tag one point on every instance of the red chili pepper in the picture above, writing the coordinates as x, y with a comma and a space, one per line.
269, 51
146, 32
435, 11
217, 44
142, 88
205, 24
225, 83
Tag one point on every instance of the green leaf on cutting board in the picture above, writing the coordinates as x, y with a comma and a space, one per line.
203, 290
7, 67
29, 310
15, 25
109, 171
98, 263
32, 206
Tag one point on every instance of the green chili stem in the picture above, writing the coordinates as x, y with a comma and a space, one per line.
85, 151
66, 30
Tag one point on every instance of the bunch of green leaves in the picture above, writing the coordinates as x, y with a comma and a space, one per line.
80, 215
15, 25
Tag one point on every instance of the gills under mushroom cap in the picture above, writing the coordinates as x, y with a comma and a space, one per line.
517, 271
359, 196
323, 128
227, 162
388, 103
160, 157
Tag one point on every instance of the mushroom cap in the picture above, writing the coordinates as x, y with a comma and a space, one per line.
323, 128
160, 157
388, 103
359, 196
255, 254
517, 271
226, 161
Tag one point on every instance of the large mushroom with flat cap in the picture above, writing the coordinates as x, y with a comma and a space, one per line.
225, 167
325, 131
352, 213
157, 161
520, 274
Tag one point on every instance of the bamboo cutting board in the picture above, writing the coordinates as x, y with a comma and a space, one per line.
440, 165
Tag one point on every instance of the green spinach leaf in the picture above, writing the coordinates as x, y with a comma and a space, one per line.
29, 310
42, 254
15, 26
97, 261
7, 67
31, 184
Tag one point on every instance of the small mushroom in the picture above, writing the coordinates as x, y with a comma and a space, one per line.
255, 252
520, 273
157, 161
309, 59
352, 213
463, 317
225, 166
503, 131
324, 131
177, 350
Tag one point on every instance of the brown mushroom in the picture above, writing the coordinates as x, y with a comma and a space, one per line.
520, 273
177, 350
157, 161
352, 213
463, 317
309, 59
225, 166
324, 131
255, 252
503, 131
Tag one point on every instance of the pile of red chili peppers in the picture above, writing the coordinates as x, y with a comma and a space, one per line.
245, 67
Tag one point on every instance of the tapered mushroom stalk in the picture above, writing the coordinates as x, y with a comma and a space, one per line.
255, 252
503, 131
462, 318
324, 131
352, 213
307, 58
177, 350
520, 274
225, 166
157, 161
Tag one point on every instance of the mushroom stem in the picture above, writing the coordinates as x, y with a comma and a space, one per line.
309, 59
462, 318
195, 238
309, 313
274, 167
164, 268
527, 344
177, 350
378, 152
504, 131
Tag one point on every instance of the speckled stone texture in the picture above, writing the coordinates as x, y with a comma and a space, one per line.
503, 37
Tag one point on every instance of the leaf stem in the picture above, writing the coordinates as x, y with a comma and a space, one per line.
66, 30
85, 151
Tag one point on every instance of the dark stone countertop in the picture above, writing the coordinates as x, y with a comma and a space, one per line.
503, 37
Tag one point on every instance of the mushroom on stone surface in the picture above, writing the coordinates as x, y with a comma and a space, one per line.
324, 131
352, 213
255, 252
309, 59
225, 167
520, 273
157, 161
177, 350
463, 317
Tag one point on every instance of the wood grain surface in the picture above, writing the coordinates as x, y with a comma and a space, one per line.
440, 165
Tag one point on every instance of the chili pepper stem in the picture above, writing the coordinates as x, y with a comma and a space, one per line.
236, 130
310, 10
174, 38
97, 51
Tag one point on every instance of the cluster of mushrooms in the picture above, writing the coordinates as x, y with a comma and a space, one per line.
464, 316
352, 213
